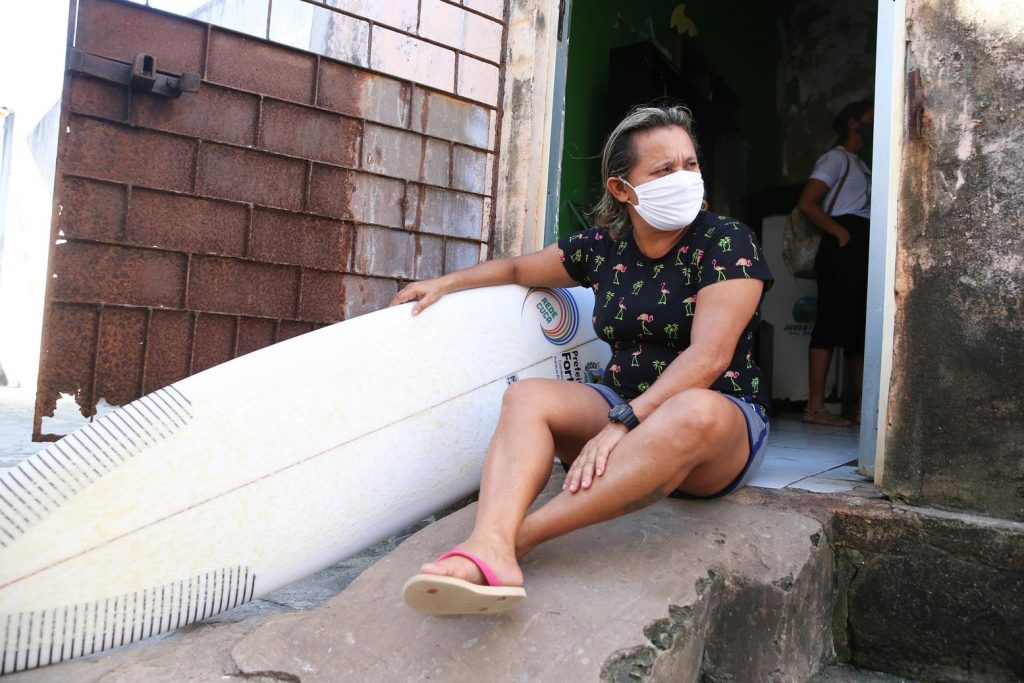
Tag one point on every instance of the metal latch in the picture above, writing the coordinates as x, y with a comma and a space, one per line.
141, 75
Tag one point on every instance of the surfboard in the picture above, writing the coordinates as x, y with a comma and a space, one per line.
235, 481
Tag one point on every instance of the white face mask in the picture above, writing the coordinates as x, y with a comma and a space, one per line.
670, 202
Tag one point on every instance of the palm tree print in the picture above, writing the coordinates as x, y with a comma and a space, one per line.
637, 286
643, 386
725, 244
754, 383
687, 272
672, 331
622, 248
659, 365
598, 260
608, 296
609, 332
657, 269
576, 256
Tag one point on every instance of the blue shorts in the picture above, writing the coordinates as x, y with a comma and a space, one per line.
757, 437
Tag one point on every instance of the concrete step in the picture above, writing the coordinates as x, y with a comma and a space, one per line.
682, 591
842, 673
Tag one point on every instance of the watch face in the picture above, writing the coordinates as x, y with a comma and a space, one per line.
622, 413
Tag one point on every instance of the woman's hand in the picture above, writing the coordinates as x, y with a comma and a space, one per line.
425, 292
843, 235
593, 459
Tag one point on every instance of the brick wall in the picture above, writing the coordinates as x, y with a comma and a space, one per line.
292, 191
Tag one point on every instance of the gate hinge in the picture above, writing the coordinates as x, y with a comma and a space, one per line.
141, 75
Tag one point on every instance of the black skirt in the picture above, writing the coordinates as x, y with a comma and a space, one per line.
842, 274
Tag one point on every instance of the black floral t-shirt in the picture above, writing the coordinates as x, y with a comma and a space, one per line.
644, 307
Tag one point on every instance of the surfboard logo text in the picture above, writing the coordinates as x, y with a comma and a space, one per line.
559, 314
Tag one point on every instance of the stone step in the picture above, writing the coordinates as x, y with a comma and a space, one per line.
679, 590
682, 591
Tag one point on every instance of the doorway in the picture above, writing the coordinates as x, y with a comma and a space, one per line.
764, 81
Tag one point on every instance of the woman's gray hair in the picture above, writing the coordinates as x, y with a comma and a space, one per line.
619, 156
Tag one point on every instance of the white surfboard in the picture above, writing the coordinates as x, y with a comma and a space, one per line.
233, 482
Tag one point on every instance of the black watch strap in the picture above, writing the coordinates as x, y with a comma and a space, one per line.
623, 414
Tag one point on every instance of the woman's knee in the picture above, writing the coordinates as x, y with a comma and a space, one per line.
694, 411
530, 392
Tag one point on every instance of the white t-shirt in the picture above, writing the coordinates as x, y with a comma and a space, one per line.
855, 197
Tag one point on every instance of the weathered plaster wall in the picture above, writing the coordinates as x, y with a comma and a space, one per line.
525, 128
956, 425
828, 60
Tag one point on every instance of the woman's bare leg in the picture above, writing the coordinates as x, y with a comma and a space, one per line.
534, 413
818, 361
696, 441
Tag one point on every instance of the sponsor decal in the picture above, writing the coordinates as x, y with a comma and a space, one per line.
559, 314
567, 366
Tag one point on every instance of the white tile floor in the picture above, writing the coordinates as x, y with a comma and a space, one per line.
811, 457
801, 456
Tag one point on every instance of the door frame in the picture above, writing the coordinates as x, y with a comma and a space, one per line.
890, 58
890, 49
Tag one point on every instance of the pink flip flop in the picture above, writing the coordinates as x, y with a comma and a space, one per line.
435, 594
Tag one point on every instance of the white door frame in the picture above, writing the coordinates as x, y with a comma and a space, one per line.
887, 155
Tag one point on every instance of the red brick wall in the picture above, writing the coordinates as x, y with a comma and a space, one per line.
290, 192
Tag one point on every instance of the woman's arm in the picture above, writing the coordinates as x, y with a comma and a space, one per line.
810, 205
540, 269
722, 313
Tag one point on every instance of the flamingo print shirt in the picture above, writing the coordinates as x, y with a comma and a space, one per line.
644, 307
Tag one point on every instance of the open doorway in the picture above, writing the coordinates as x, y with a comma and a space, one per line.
764, 81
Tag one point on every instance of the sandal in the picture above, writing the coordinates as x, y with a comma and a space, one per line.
436, 594
823, 417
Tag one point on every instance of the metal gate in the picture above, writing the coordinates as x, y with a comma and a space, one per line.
216, 193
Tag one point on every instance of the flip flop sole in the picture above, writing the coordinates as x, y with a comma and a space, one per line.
432, 594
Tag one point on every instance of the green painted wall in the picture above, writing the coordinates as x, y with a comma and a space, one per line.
745, 54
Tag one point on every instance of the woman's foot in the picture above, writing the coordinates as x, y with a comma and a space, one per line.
502, 564
823, 417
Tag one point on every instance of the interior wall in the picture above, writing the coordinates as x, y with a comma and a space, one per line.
792, 63
599, 26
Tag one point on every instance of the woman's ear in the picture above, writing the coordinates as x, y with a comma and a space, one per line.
621, 191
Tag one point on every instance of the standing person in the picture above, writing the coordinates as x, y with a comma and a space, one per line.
679, 411
842, 180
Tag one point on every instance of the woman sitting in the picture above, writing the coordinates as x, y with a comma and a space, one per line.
679, 411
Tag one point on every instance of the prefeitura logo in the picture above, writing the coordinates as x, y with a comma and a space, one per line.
559, 315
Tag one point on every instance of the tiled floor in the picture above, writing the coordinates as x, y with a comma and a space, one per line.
802, 456
811, 457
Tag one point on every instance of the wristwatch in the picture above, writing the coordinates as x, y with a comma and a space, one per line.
623, 414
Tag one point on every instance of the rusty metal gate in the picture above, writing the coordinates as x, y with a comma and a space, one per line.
216, 193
